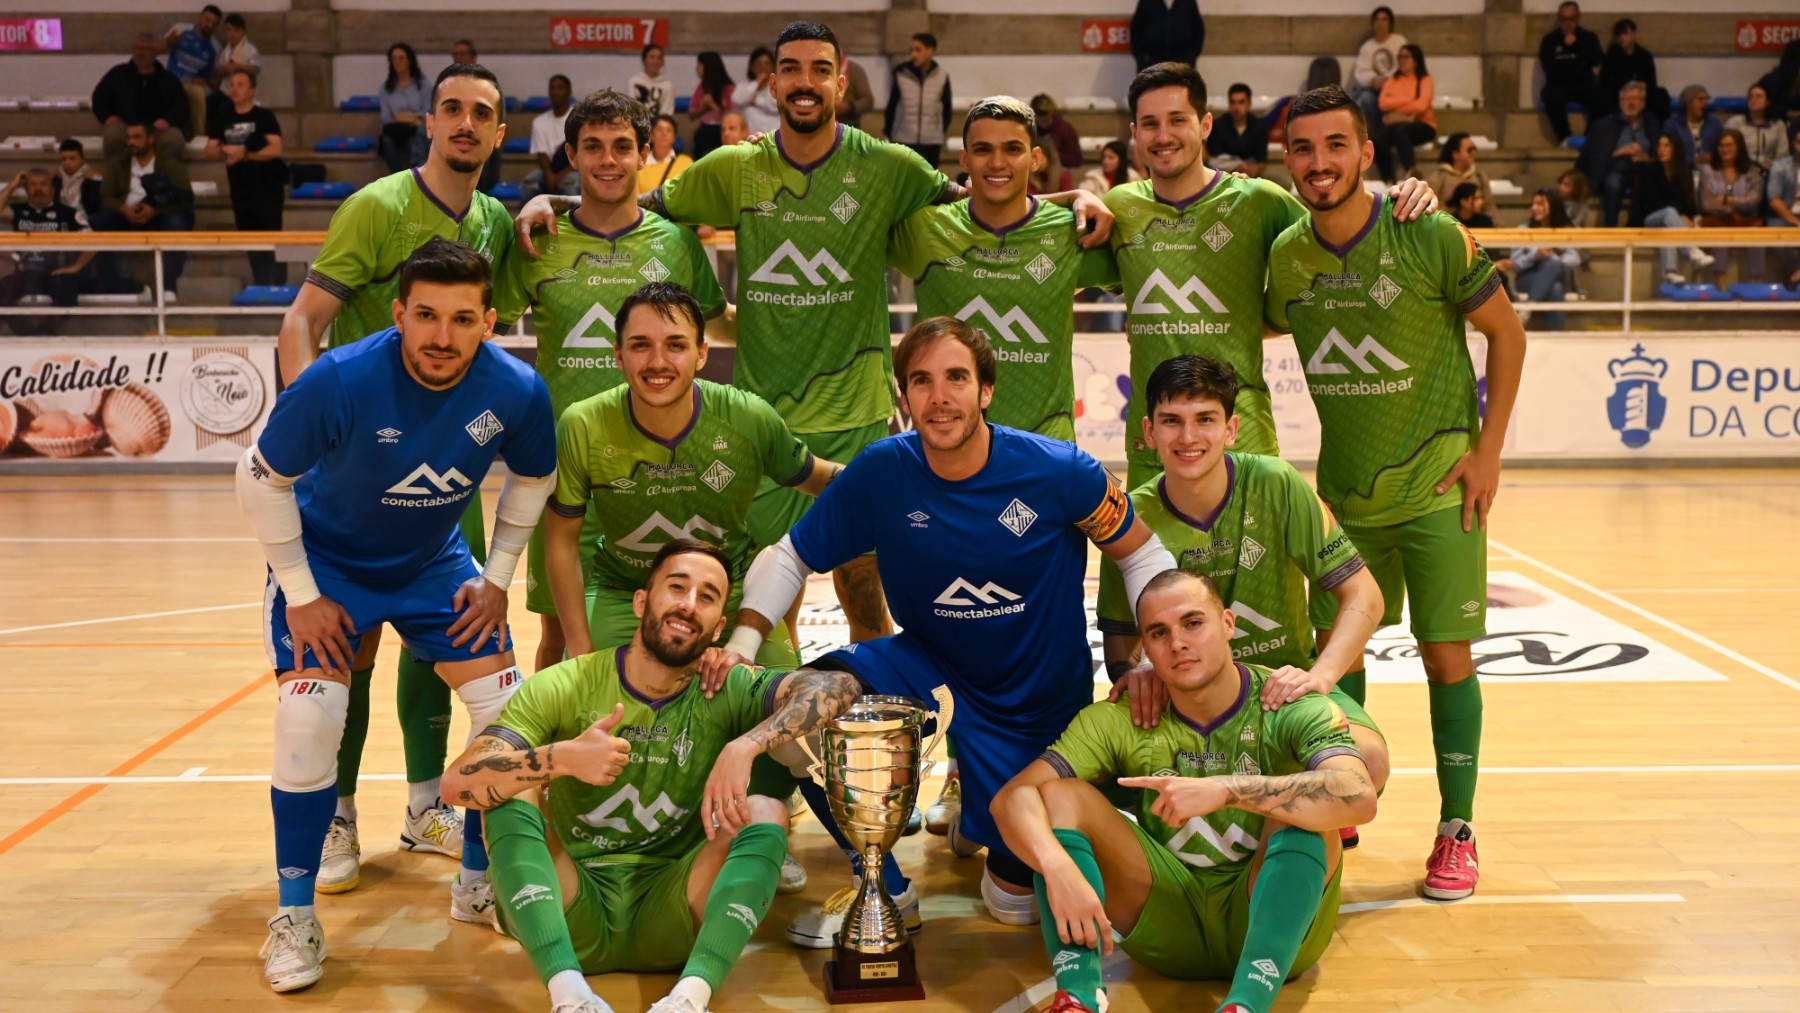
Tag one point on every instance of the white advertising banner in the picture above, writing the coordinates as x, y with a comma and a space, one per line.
133, 401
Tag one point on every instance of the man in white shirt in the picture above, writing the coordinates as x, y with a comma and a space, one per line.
1375, 63
651, 87
553, 174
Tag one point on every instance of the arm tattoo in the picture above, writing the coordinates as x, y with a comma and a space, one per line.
1273, 796
499, 763
813, 697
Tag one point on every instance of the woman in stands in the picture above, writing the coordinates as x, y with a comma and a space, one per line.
1663, 198
1731, 195
1577, 200
665, 162
1407, 119
1468, 206
1543, 274
711, 99
405, 100
1456, 166
1114, 168
1765, 137
1052, 178
762, 114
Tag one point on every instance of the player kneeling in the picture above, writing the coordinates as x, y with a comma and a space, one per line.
1237, 797
643, 850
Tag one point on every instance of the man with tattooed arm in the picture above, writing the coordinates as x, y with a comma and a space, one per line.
619, 823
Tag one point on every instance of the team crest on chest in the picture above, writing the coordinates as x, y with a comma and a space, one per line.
1041, 267
845, 207
1385, 291
1217, 236
654, 271
484, 427
1018, 517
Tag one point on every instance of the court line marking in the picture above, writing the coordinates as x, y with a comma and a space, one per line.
1702, 640
1037, 993
122, 541
129, 618
1705, 590
91, 645
67, 805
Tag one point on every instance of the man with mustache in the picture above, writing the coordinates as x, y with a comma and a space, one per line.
349, 293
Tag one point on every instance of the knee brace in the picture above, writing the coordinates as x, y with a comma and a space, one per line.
309, 727
486, 697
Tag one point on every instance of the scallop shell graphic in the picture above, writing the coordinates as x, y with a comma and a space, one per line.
9, 425
135, 420
63, 434
80, 402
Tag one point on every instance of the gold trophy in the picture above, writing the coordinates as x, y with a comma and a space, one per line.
872, 764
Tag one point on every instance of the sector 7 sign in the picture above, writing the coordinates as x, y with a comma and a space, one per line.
608, 33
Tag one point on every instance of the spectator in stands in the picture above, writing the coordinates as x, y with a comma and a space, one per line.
247, 138
78, 183
463, 51
1784, 205
553, 173
1663, 198
237, 53
664, 163
1375, 63
856, 99
918, 107
42, 272
649, 86
146, 190
1544, 274
1061, 134
1577, 199
141, 89
193, 56
762, 113
1783, 86
1618, 145
405, 102
734, 127
1167, 31
1407, 119
1693, 128
1468, 206
1731, 197
1456, 166
1625, 62
1765, 137
1115, 168
711, 98
1322, 72
1052, 176
1569, 56
1239, 141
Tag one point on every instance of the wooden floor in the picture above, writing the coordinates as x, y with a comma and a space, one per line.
1638, 839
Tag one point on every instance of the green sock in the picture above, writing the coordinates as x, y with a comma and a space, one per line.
1077, 967
1456, 738
1282, 909
1355, 685
424, 705
739, 899
356, 732
526, 886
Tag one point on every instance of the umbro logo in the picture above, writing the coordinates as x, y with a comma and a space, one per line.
1018, 517
388, 435
1266, 966
623, 484
484, 427
1471, 607
291, 872
918, 517
413, 484
961, 592
743, 914
1457, 759
529, 894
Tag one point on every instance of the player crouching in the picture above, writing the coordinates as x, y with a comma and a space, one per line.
642, 849
1237, 798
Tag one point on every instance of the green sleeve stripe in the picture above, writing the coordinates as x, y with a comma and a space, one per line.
800, 476
1055, 759
562, 509
506, 735
1486, 292
335, 288
1330, 751
770, 692
1344, 571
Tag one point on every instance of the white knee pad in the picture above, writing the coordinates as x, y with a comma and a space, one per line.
309, 727
486, 697
1007, 908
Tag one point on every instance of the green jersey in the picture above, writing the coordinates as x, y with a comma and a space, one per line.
1379, 328
377, 228
1016, 283
575, 288
649, 812
647, 491
1261, 547
1193, 275
812, 240
1102, 743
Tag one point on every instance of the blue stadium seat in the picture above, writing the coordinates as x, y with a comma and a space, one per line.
346, 143
512, 103
1727, 106
536, 104
266, 295
324, 191
506, 191
1576, 141
1693, 292
682, 102
1763, 292
360, 104
516, 145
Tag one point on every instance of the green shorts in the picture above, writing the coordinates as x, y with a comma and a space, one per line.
1194, 923
1256, 435
632, 916
474, 528
537, 576
778, 507
1433, 562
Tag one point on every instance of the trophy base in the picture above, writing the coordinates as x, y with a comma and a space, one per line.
872, 977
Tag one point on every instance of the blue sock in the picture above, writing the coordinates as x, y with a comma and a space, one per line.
820, 804
475, 856
302, 818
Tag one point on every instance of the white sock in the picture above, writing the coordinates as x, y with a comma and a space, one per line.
950, 767
346, 808
421, 796
297, 911
469, 877
569, 988
694, 988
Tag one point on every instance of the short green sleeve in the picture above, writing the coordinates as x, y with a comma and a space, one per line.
1307, 732
785, 460
909, 243
1315, 542
749, 694
537, 710
1280, 210
707, 192
510, 295
354, 238
1467, 273
706, 284
1095, 745
574, 485
918, 183
1098, 268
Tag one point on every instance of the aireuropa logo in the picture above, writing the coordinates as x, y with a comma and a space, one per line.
1359, 354
1159, 283
814, 269
1006, 325
1637, 405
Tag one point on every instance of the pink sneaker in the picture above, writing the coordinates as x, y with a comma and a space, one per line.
1064, 1002
1349, 836
1451, 872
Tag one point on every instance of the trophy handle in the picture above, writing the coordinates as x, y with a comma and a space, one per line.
946, 708
815, 766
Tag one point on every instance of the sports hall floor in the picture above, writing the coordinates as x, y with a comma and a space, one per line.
1638, 838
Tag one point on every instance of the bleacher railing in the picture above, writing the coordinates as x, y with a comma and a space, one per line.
296, 245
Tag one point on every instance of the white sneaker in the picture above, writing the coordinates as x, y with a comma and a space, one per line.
294, 954
818, 930
438, 829
793, 875
1008, 908
961, 846
1701, 259
676, 1004
946, 810
1675, 278
340, 863
474, 903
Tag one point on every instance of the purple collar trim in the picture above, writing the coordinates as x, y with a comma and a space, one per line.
611, 237
1230, 712
1182, 205
1162, 492
1001, 231
1343, 251
441, 206
810, 166
619, 663
685, 430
